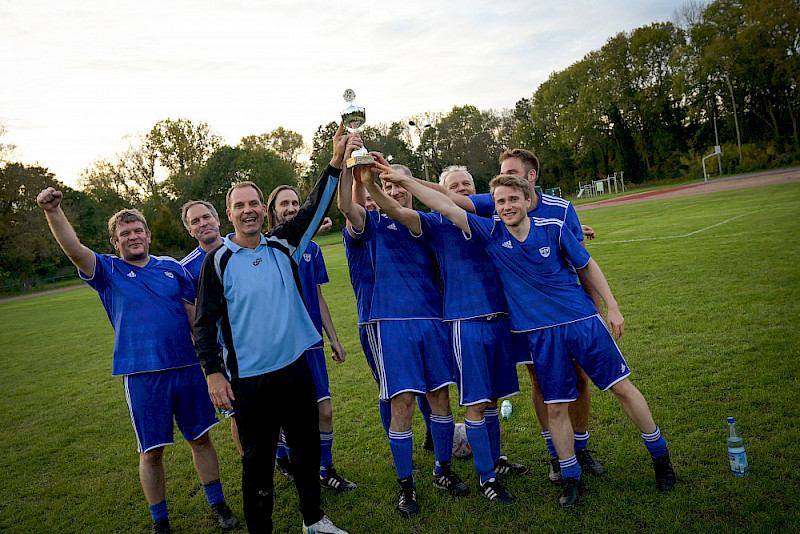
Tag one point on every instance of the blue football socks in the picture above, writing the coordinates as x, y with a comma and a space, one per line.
550, 447
493, 428
214, 493
401, 444
425, 410
478, 438
442, 429
159, 511
655, 443
325, 451
283, 450
570, 468
581, 440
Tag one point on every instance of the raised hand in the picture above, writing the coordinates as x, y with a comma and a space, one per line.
49, 199
324, 227
339, 144
388, 174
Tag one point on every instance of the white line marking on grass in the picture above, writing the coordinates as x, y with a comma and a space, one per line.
679, 236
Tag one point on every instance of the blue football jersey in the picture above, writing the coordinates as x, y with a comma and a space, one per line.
549, 207
362, 273
146, 308
471, 284
407, 283
312, 272
193, 262
539, 286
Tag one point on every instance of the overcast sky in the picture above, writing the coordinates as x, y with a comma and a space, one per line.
78, 75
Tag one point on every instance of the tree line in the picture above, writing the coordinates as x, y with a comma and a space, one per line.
650, 102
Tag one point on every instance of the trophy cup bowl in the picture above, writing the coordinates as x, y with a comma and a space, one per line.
354, 118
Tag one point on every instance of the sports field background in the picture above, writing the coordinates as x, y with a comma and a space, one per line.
709, 289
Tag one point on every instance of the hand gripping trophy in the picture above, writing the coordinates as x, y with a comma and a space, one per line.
354, 118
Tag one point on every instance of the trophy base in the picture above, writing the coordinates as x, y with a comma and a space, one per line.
364, 159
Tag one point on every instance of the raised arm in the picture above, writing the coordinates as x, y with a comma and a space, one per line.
460, 200
299, 230
591, 276
432, 198
405, 216
83, 257
354, 212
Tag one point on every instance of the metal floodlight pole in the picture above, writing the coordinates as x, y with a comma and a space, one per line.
421, 133
716, 145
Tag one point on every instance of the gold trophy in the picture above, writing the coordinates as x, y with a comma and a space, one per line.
354, 118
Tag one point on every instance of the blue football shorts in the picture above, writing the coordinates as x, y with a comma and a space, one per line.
414, 356
485, 363
368, 333
316, 360
154, 399
589, 344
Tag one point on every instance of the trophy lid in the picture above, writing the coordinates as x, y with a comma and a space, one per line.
353, 117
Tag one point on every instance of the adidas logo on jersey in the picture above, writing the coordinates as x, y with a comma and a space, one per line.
545, 252
169, 274
131, 274
307, 256
392, 226
508, 244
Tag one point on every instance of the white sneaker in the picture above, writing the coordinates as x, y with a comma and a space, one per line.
323, 526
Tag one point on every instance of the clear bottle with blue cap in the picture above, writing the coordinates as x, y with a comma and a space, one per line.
736, 452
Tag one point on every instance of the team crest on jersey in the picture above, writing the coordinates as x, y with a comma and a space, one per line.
545, 252
307, 256
392, 226
508, 244
256, 261
131, 274
169, 274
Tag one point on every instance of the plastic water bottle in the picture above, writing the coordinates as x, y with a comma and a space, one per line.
736, 453
506, 409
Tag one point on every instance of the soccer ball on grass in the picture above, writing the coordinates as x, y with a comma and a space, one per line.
461, 448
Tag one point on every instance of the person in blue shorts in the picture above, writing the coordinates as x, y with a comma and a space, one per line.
456, 179
201, 220
150, 303
476, 312
362, 278
412, 343
282, 205
534, 258
524, 163
249, 296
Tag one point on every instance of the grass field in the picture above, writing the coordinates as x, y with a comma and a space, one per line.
709, 290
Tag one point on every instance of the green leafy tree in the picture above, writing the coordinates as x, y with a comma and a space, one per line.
389, 141
321, 153
229, 165
130, 175
288, 144
470, 137
6, 149
27, 248
182, 146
